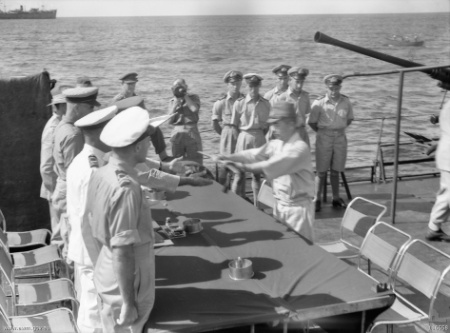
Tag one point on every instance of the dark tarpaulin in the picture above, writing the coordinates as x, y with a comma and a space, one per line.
23, 114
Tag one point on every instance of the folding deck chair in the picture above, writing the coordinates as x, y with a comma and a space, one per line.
360, 215
58, 320
32, 263
265, 199
421, 284
383, 246
25, 240
27, 295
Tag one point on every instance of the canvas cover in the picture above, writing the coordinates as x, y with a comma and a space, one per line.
23, 114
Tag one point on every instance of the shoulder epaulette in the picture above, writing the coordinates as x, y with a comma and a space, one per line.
344, 95
320, 97
123, 178
221, 97
240, 98
93, 161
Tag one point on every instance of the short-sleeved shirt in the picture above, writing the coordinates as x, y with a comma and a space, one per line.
69, 142
272, 94
47, 162
251, 114
443, 149
78, 176
329, 115
122, 96
301, 102
185, 116
223, 108
150, 176
117, 212
287, 164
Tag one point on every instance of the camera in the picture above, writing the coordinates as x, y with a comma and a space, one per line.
179, 91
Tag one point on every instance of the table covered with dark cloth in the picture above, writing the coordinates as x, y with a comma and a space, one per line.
293, 277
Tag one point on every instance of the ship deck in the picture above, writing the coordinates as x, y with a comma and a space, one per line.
415, 198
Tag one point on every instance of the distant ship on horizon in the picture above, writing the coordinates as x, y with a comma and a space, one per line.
33, 13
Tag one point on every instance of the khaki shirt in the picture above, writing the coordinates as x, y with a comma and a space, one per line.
185, 116
301, 102
69, 142
250, 114
272, 94
122, 96
117, 212
223, 108
288, 165
443, 149
150, 176
47, 165
331, 116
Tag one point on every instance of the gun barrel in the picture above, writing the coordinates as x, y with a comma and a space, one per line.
439, 74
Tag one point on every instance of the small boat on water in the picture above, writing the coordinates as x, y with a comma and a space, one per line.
396, 40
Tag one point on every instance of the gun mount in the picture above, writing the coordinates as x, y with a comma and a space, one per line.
440, 74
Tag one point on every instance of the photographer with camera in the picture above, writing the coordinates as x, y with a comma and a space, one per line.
185, 138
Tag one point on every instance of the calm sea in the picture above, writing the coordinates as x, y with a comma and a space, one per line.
202, 49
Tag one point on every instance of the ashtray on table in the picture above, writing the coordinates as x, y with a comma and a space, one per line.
241, 269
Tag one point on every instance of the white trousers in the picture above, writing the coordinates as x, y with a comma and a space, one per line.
299, 217
440, 212
88, 313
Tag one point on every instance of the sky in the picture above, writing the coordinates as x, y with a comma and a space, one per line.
85, 8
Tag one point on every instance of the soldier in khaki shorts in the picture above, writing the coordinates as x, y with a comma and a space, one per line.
250, 114
330, 116
221, 117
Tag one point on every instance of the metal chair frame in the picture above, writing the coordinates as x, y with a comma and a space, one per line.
380, 252
14, 246
265, 196
56, 291
39, 320
346, 225
427, 281
48, 255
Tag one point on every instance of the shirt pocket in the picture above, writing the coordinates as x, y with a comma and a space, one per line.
342, 113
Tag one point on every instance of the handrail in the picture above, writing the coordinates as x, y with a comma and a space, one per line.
401, 72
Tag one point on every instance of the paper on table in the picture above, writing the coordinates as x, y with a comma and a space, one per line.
161, 237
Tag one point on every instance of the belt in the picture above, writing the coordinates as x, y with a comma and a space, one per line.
332, 131
232, 125
187, 125
252, 130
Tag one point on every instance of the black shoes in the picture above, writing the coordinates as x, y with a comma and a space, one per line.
437, 236
318, 204
339, 203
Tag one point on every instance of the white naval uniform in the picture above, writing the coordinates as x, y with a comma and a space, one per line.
78, 175
441, 209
